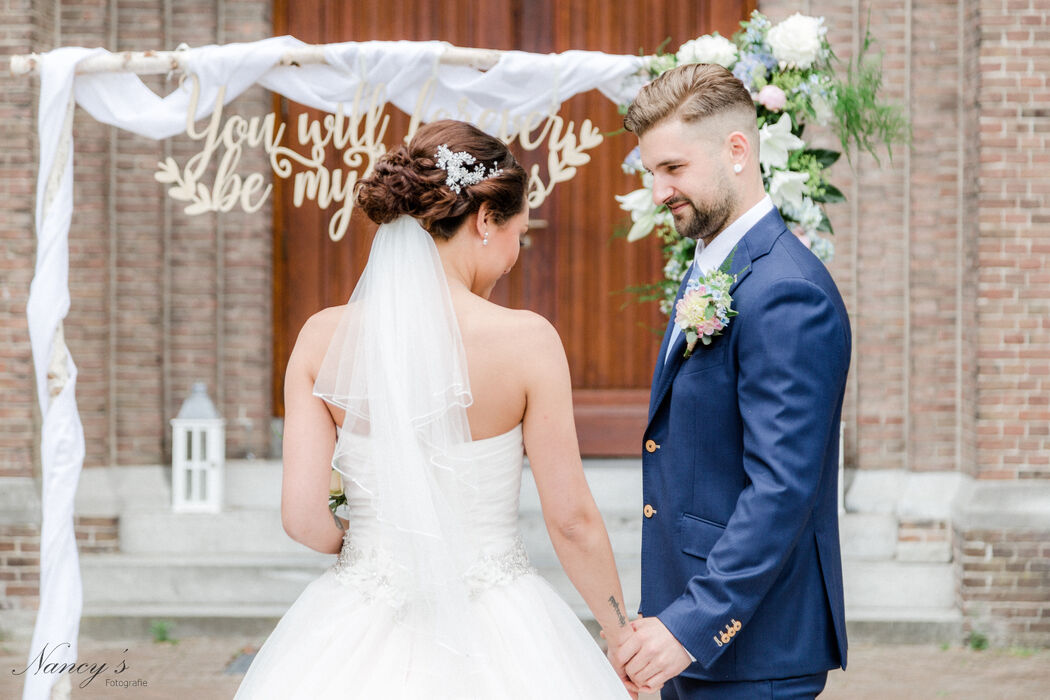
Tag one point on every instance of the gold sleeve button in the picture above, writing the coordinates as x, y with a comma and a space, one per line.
651, 446
648, 511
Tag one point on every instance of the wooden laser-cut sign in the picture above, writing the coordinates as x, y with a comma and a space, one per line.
358, 136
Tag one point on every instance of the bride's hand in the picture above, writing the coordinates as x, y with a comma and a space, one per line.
612, 653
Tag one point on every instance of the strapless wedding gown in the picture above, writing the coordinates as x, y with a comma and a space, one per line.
341, 638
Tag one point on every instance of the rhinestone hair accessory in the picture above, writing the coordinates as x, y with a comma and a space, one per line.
455, 163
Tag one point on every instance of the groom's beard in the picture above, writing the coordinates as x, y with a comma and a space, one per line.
704, 222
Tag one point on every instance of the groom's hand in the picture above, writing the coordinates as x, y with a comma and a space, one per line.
651, 656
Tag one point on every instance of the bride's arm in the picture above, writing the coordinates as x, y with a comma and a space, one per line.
574, 523
309, 441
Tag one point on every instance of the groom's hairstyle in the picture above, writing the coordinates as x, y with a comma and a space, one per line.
692, 93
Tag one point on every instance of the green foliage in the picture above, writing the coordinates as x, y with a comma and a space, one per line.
807, 89
335, 501
977, 641
862, 121
161, 631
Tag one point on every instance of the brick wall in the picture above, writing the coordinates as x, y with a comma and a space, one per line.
140, 330
22, 29
905, 239
96, 535
1003, 584
1013, 301
159, 299
19, 567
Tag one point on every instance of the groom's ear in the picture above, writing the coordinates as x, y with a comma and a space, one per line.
739, 147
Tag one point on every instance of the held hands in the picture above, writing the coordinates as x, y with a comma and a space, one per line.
616, 642
648, 658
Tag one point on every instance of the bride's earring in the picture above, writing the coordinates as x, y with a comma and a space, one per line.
737, 167
485, 240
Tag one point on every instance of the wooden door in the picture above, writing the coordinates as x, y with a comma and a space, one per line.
574, 269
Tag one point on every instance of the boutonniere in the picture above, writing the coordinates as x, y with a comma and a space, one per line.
706, 307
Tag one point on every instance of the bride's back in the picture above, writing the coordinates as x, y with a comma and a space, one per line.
497, 342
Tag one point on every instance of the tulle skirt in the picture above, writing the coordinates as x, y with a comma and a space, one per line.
335, 643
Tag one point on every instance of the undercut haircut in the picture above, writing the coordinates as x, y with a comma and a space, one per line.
692, 93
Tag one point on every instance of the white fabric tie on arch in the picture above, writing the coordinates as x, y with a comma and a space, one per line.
520, 83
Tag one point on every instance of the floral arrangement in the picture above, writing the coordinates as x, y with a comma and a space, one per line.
705, 309
788, 68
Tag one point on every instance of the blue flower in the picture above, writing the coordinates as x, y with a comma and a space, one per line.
767, 59
633, 162
822, 248
748, 68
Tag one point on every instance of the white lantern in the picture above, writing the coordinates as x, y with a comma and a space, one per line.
198, 455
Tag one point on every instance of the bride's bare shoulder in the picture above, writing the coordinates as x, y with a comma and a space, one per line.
323, 322
316, 334
526, 333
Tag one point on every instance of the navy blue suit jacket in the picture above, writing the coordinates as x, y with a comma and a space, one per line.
740, 548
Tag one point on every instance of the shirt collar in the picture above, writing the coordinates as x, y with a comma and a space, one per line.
709, 257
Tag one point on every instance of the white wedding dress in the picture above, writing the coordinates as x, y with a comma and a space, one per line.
432, 596
342, 638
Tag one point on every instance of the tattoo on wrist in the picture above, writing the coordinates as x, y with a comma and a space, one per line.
616, 608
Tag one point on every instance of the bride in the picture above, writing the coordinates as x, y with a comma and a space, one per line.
424, 395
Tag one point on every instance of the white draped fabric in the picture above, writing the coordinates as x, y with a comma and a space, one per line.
520, 83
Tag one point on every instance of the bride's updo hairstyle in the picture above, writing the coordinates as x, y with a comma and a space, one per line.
408, 180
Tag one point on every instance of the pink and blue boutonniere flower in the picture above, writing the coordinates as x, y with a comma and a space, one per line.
705, 309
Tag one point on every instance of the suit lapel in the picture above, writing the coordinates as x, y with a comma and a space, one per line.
661, 359
756, 243
741, 266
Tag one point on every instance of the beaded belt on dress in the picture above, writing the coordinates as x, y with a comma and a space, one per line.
374, 573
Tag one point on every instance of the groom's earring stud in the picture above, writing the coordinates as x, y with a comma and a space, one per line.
485, 240
737, 167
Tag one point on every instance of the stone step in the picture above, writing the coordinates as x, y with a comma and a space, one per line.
905, 625
888, 585
135, 620
868, 536
240, 530
212, 578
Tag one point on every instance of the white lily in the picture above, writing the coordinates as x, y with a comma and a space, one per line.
643, 225
787, 188
775, 141
642, 209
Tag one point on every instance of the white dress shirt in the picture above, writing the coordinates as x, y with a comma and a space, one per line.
710, 257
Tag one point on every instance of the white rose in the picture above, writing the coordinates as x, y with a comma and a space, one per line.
710, 48
797, 40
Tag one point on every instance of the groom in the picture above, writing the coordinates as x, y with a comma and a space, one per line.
741, 574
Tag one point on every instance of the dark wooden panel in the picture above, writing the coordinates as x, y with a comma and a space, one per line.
574, 269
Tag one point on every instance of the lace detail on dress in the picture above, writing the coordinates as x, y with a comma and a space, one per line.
499, 569
375, 574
